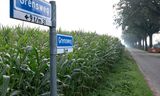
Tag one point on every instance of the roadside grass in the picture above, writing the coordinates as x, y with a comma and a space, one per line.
125, 79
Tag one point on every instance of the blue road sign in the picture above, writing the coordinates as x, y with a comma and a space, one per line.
64, 41
35, 11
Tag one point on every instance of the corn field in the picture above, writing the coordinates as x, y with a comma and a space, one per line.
24, 62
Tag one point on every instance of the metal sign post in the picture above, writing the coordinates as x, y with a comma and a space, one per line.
53, 51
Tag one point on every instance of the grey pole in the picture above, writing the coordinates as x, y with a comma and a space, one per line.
53, 51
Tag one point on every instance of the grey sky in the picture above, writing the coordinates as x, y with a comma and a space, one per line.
87, 15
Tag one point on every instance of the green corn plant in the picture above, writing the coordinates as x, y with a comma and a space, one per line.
4, 86
24, 57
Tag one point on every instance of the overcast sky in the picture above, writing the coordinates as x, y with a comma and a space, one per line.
88, 15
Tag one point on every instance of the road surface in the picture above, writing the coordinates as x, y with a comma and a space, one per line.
149, 64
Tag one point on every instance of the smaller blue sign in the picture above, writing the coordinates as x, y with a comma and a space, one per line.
64, 41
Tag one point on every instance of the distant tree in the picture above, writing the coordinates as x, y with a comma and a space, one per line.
140, 17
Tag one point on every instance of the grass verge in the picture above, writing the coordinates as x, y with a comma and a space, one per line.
124, 80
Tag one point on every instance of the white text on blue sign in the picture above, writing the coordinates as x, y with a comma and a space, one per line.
64, 41
35, 6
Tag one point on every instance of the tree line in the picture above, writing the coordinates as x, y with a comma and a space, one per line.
139, 19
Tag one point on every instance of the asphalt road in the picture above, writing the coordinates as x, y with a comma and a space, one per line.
149, 64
